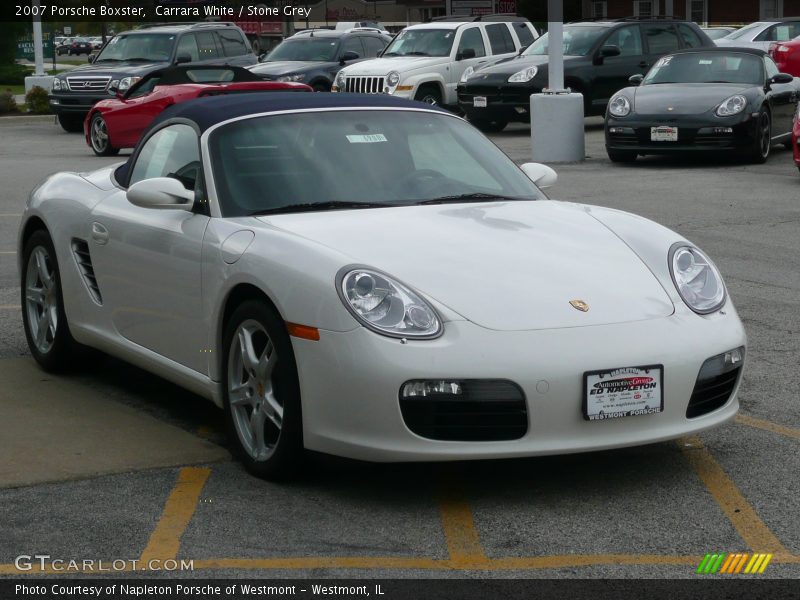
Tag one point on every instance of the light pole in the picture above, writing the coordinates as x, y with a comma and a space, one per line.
557, 133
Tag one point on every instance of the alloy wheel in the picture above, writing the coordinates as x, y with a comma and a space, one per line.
766, 135
41, 299
256, 411
99, 134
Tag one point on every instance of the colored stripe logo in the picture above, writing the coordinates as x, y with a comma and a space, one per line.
734, 564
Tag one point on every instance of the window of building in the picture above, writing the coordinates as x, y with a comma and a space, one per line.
643, 8
599, 9
697, 11
771, 9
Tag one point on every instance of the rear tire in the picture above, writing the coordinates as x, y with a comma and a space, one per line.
320, 87
99, 138
43, 315
261, 392
621, 156
488, 126
71, 123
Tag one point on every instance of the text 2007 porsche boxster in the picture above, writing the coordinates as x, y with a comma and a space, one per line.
713, 100
119, 122
371, 277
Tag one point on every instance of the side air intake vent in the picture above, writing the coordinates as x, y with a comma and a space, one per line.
80, 249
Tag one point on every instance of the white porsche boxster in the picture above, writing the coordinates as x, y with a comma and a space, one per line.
371, 277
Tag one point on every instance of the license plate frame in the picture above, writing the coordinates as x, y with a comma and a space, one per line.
479, 102
623, 397
663, 134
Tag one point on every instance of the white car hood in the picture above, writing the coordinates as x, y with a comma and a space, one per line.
401, 64
503, 265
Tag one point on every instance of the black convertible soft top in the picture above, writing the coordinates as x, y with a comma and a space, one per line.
723, 50
203, 74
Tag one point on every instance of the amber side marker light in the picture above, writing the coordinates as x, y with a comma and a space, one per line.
303, 331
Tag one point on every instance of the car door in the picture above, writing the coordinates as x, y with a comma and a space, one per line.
148, 261
469, 51
611, 73
136, 111
783, 98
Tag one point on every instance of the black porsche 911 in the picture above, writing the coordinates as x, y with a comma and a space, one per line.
709, 99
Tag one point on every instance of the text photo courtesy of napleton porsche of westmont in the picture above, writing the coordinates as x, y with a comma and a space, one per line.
400, 298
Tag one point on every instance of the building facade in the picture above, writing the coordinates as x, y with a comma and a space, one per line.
715, 12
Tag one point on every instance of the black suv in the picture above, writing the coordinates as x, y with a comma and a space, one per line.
314, 56
131, 55
599, 57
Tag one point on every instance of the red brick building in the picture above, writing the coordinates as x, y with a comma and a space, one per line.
702, 11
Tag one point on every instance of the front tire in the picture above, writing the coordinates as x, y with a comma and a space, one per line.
71, 123
762, 144
98, 135
621, 156
261, 392
429, 94
43, 315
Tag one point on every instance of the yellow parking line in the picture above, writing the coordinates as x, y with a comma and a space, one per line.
740, 513
178, 510
10, 306
463, 541
768, 426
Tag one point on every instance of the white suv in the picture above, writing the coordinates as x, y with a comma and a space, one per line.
425, 62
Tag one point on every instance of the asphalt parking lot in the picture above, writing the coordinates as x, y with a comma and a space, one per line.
169, 490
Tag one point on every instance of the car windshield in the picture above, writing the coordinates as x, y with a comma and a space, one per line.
578, 41
358, 159
156, 47
707, 67
422, 42
322, 49
744, 31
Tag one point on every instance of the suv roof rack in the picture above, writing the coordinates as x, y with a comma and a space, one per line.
313, 30
362, 29
650, 18
492, 18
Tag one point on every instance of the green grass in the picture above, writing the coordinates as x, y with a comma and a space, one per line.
17, 90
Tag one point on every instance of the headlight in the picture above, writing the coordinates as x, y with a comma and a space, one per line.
56, 84
467, 74
697, 279
393, 78
298, 77
619, 106
387, 306
340, 80
127, 82
732, 106
524, 75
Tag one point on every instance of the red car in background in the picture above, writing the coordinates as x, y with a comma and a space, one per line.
787, 56
119, 123
796, 138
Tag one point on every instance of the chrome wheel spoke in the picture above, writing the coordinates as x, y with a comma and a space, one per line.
237, 395
266, 364
273, 409
35, 295
41, 266
249, 357
257, 421
42, 326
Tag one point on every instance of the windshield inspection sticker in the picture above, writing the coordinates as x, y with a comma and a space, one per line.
372, 138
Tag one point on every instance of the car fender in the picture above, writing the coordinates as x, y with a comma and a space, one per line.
419, 79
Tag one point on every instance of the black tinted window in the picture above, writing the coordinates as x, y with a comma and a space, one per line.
689, 37
661, 39
500, 39
472, 39
524, 34
207, 46
373, 46
232, 42
628, 39
187, 46
352, 44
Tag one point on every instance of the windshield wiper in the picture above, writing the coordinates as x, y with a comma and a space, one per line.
476, 197
391, 54
99, 60
140, 59
417, 53
313, 206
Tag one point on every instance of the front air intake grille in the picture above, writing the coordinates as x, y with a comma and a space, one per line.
364, 85
80, 250
88, 84
471, 410
711, 394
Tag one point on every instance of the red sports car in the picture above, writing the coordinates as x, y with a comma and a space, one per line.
119, 123
787, 56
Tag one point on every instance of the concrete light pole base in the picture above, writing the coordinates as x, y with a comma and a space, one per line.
43, 81
557, 128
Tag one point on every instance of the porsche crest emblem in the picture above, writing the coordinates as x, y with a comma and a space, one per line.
579, 305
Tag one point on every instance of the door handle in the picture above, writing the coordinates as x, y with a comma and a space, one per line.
99, 233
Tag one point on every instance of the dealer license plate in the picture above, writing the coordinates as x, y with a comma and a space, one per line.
625, 392
479, 101
664, 134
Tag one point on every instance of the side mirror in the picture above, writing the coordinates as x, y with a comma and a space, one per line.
465, 54
636, 79
782, 78
262, 56
347, 56
91, 58
161, 193
606, 52
542, 175
521, 50
182, 59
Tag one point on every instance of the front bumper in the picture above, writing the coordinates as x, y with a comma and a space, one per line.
74, 103
698, 133
350, 384
503, 102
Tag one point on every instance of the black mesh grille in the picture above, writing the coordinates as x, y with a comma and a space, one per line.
81, 251
486, 410
711, 394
